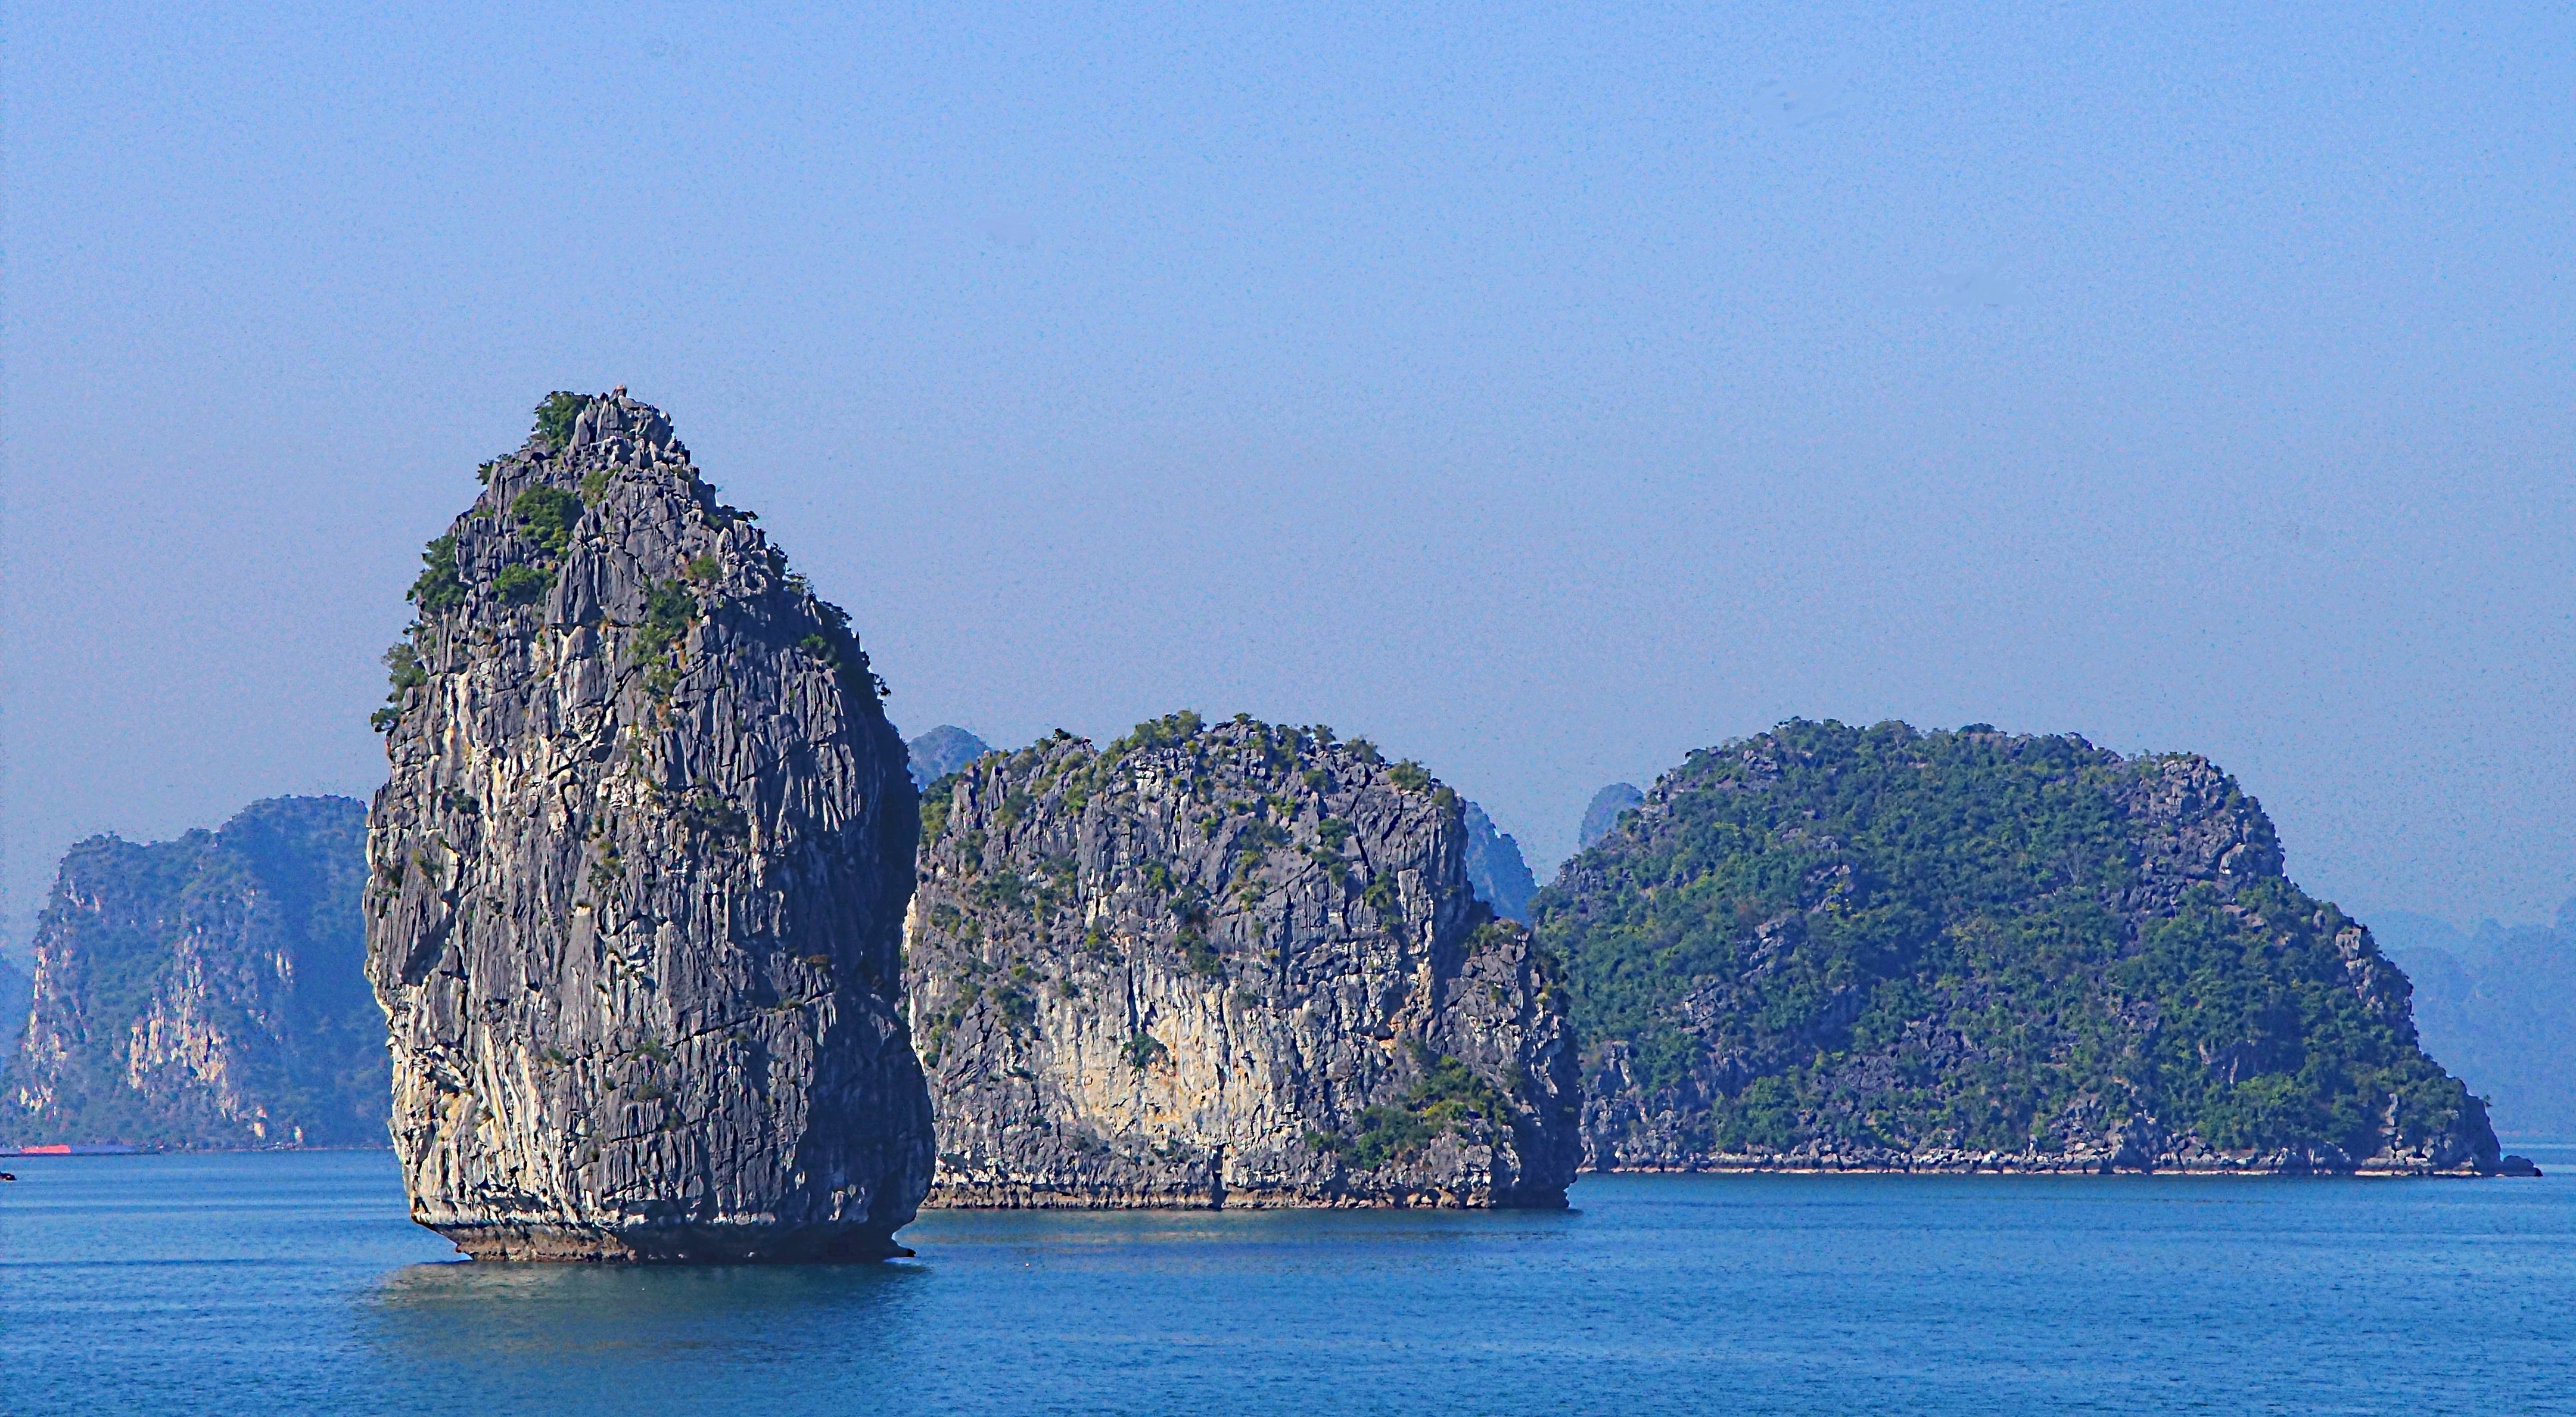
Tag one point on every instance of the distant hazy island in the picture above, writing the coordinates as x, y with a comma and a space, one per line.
204, 992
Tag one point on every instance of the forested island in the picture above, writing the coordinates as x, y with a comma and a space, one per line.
1828, 947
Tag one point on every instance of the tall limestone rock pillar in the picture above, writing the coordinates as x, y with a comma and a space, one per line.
637, 883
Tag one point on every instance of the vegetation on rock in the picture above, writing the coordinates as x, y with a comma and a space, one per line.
555, 415
546, 515
1875, 944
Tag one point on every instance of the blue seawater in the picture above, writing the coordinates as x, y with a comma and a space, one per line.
293, 1283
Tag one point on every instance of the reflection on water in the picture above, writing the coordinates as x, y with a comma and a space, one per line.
261, 1284
504, 1314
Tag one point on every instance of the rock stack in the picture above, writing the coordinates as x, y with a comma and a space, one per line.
637, 881
1237, 965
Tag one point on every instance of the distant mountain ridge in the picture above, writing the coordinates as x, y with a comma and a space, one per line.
2497, 1004
206, 992
1496, 868
941, 751
17, 991
1602, 812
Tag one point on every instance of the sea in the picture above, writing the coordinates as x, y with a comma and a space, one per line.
292, 1283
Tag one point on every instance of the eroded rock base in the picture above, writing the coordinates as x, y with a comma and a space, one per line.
1006, 1197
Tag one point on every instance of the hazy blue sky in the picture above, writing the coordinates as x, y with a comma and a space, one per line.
1541, 392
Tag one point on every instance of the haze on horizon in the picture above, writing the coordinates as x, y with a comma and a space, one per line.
1539, 394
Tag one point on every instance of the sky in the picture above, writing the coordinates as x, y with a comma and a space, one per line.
1540, 392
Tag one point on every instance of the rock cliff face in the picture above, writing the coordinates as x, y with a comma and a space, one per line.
638, 878
204, 992
1834, 948
1237, 965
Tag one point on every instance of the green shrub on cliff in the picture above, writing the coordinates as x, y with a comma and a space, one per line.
1448, 1096
522, 585
403, 672
546, 516
1387, 1134
438, 588
1171, 728
1144, 1050
669, 610
404, 669
555, 417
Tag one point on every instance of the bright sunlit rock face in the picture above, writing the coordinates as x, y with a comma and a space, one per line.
637, 881
1235, 965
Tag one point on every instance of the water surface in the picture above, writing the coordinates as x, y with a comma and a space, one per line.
292, 1282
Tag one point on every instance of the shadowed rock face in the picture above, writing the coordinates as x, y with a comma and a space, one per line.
1238, 965
637, 881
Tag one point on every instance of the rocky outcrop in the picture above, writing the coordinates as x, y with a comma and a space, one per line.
638, 878
1234, 965
1827, 948
941, 751
1495, 867
204, 992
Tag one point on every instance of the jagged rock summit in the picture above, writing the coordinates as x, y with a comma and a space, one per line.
1235, 965
1837, 948
637, 880
204, 991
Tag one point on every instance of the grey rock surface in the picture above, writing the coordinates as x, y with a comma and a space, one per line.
1234, 965
637, 880
1496, 868
1602, 812
941, 751
204, 992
